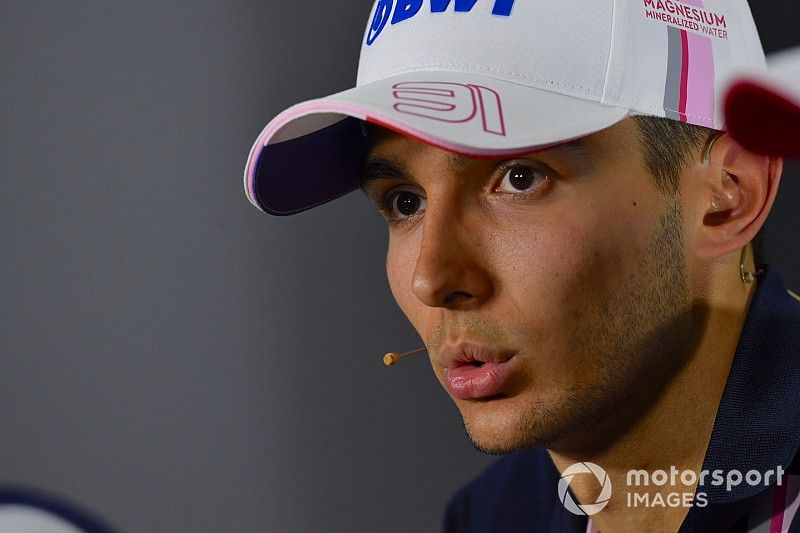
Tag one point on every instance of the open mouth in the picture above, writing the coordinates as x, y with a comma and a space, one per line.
478, 380
476, 370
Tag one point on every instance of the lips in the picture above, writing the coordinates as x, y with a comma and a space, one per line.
475, 370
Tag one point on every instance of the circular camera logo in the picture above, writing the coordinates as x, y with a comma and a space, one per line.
567, 499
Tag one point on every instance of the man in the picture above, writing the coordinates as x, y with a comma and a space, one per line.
763, 111
571, 236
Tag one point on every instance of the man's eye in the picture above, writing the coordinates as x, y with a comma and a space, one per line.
521, 178
404, 204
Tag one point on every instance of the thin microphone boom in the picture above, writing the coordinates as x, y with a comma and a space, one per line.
391, 358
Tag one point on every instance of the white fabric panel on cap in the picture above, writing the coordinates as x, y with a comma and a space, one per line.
669, 58
484, 46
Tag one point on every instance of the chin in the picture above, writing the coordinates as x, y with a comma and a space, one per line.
527, 420
500, 426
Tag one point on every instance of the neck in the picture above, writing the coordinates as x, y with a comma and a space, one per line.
675, 430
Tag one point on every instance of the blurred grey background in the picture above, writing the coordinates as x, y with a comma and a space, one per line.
171, 358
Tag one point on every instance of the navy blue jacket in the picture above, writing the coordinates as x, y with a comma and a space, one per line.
757, 427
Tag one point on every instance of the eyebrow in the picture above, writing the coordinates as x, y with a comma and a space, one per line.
376, 167
457, 162
576, 148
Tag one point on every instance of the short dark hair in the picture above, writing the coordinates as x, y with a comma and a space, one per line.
667, 146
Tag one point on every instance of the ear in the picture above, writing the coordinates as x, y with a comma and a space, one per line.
736, 194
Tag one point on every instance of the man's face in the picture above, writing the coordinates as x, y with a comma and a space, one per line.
549, 288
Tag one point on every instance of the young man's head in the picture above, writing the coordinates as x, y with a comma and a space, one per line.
562, 208
557, 290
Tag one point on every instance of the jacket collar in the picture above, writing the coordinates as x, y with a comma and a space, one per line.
757, 426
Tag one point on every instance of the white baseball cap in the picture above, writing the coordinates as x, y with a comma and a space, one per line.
494, 78
762, 111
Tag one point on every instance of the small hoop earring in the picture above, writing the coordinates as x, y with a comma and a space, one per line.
710, 146
747, 277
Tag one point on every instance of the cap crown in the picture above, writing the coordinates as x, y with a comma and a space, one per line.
656, 57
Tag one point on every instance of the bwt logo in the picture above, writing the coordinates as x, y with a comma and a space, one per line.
406, 9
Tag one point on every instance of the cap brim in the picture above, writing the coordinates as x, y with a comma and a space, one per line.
762, 111
312, 152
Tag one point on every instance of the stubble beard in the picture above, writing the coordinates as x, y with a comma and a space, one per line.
638, 338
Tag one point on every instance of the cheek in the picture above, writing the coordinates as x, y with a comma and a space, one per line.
396, 273
401, 259
559, 273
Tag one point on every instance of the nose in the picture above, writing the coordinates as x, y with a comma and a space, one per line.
450, 270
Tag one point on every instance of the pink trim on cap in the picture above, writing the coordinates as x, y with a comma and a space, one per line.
475, 153
293, 113
684, 75
347, 109
701, 81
